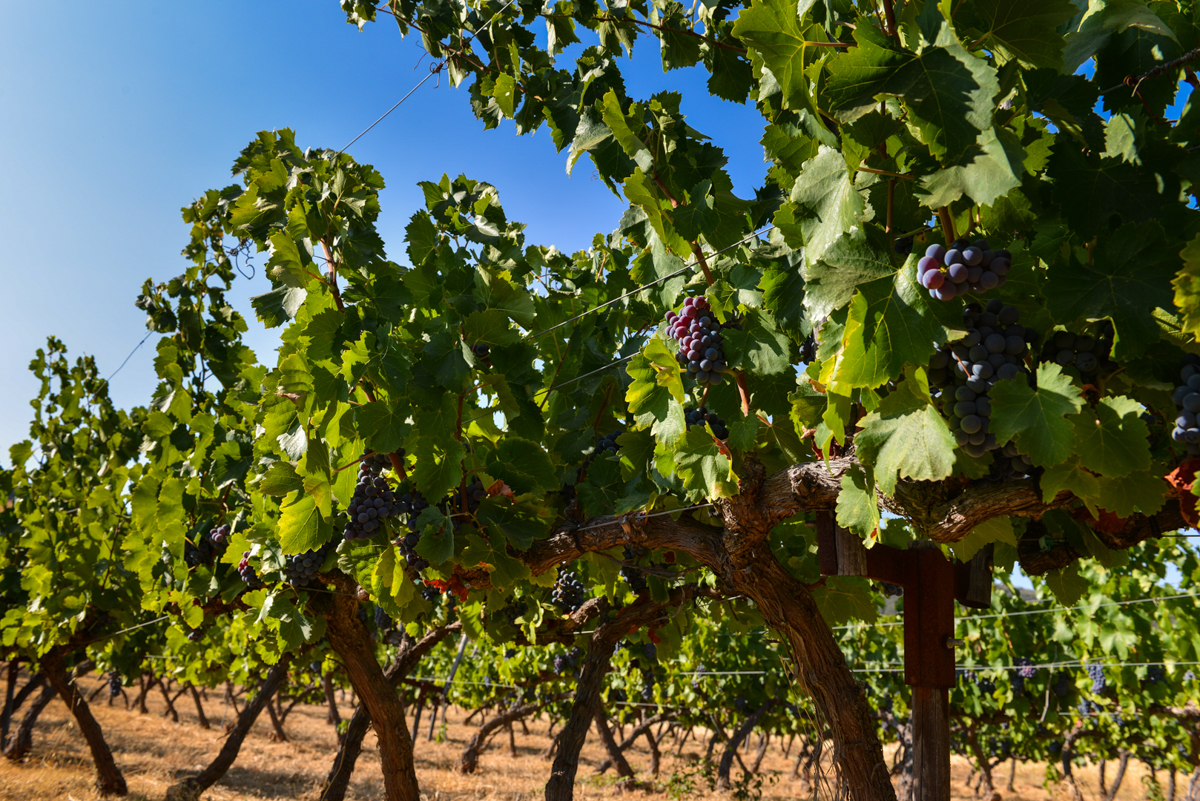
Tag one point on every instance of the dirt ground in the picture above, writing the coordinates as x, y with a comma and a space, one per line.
154, 752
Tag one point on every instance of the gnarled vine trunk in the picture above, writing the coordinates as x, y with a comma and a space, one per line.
191, 789
735, 742
22, 741
109, 780
407, 658
610, 745
468, 760
642, 728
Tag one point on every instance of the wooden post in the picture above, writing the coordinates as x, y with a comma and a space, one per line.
931, 585
931, 743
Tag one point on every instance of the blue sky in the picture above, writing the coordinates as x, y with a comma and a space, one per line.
117, 114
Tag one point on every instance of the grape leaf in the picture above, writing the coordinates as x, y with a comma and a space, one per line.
1112, 437
1187, 287
656, 379
702, 467
383, 425
772, 29
522, 465
1130, 277
1026, 30
1036, 418
1071, 477
888, 326
824, 203
1133, 493
857, 506
760, 347
1066, 584
990, 175
301, 527
831, 281
906, 437
998, 529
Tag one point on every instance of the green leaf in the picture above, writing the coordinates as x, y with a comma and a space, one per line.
301, 527
826, 204
1070, 477
1036, 419
437, 546
760, 347
505, 92
1112, 437
383, 425
490, 326
772, 29
906, 437
1134, 493
1067, 584
990, 175
657, 378
998, 529
857, 506
889, 325
1187, 288
1130, 277
279, 480
1026, 30
948, 92
521, 522
702, 467
279, 305
523, 465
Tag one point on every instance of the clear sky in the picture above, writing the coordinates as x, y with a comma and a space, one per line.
117, 114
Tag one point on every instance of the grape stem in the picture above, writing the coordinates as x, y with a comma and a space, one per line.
947, 220
332, 280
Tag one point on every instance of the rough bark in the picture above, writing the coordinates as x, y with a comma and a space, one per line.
278, 734
468, 760
983, 764
190, 789
1122, 764
596, 664
409, 655
353, 643
109, 780
334, 716
22, 741
548, 754
763, 740
35, 683
204, 724
1012, 776
641, 729
610, 745
735, 741
14, 668
170, 710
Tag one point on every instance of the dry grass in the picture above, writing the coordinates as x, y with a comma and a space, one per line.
154, 753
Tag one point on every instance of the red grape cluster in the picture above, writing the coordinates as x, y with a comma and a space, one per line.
248, 574
963, 267
699, 336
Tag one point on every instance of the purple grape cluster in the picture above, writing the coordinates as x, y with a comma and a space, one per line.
114, 685
1096, 674
383, 621
700, 345
1187, 400
476, 492
1025, 670
373, 501
963, 267
701, 415
632, 576
991, 351
219, 536
248, 574
301, 569
482, 352
411, 505
1082, 351
568, 592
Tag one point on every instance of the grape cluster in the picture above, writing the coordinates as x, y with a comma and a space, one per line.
990, 352
1187, 399
248, 574
482, 352
114, 685
301, 569
432, 594
1083, 351
1025, 670
1087, 708
1096, 674
568, 592
963, 267
1155, 674
890, 590
219, 536
650, 651
383, 621
1062, 685
476, 492
903, 245
195, 635
200, 552
1017, 466
699, 336
411, 504
373, 500
701, 415
700, 671
633, 577
567, 660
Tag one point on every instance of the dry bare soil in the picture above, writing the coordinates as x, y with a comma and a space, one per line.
155, 752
